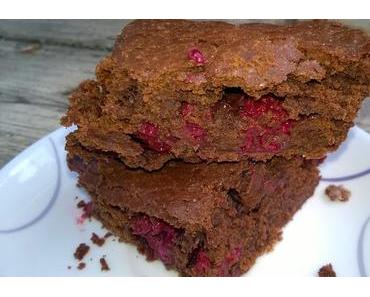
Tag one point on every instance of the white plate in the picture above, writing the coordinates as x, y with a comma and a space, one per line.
39, 230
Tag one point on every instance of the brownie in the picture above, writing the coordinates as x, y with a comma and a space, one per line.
199, 219
176, 89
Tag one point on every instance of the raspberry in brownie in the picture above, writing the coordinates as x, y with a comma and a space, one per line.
199, 219
213, 91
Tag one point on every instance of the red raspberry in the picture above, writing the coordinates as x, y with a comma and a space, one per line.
231, 258
159, 236
196, 132
260, 140
197, 56
202, 264
149, 133
267, 104
265, 134
186, 109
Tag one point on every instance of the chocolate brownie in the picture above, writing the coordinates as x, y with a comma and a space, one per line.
175, 89
200, 219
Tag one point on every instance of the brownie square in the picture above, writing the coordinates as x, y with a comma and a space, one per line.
199, 219
212, 91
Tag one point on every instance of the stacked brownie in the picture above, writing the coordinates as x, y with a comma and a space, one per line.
198, 141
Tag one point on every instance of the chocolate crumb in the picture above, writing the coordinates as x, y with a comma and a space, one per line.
339, 193
327, 271
108, 234
81, 204
81, 265
76, 197
99, 241
81, 251
69, 267
104, 265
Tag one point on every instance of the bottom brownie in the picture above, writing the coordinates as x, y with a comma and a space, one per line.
200, 219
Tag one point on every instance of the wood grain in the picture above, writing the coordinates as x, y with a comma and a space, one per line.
42, 61
34, 88
97, 34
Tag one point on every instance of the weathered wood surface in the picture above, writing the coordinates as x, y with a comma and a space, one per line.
42, 61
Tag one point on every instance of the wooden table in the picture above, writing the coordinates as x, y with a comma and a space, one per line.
41, 62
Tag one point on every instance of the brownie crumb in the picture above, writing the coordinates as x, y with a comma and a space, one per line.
104, 265
81, 266
327, 271
87, 210
69, 267
99, 241
108, 234
81, 251
338, 193
81, 204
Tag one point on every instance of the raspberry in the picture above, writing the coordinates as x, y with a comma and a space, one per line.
196, 132
186, 109
197, 56
149, 129
149, 134
230, 259
270, 124
202, 264
260, 140
233, 256
267, 104
159, 236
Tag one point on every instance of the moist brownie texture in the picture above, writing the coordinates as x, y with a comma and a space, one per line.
199, 219
219, 92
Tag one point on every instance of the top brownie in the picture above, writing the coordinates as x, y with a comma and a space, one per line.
220, 92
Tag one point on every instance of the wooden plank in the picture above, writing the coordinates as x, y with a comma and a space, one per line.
79, 33
34, 87
21, 125
92, 33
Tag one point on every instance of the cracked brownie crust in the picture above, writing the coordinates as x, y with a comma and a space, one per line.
202, 220
218, 92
